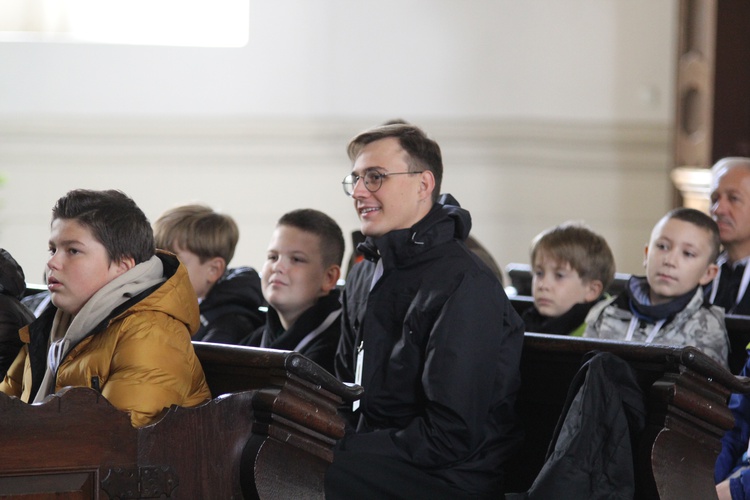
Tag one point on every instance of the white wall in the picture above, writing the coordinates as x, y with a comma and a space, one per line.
571, 59
546, 110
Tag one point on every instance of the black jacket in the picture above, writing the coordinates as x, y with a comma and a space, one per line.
442, 348
319, 328
13, 314
591, 453
729, 283
231, 311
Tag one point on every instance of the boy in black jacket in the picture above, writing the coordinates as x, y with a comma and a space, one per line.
204, 241
299, 279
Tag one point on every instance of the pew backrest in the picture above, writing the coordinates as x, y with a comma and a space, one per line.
267, 433
738, 330
686, 395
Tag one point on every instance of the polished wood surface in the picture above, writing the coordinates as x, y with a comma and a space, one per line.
267, 433
269, 430
686, 396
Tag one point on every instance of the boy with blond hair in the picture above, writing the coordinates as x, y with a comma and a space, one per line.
121, 314
299, 277
667, 305
572, 267
204, 240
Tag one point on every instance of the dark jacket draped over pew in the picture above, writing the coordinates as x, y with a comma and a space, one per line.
686, 396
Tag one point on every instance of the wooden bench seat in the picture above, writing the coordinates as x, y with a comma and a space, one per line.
267, 434
686, 395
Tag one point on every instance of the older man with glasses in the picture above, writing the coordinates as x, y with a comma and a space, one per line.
427, 331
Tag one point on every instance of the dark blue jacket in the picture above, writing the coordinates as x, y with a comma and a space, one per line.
734, 445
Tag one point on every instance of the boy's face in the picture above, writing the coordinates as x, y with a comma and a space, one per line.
402, 200
677, 259
293, 276
557, 287
78, 266
203, 275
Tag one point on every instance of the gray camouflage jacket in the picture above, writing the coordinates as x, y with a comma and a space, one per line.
696, 325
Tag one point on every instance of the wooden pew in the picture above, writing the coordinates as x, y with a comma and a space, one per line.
267, 433
521, 302
738, 330
686, 395
34, 288
269, 430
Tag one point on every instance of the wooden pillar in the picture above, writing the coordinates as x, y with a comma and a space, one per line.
713, 87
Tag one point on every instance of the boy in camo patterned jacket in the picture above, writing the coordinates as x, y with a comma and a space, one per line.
667, 305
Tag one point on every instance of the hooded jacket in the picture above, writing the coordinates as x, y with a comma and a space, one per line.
139, 357
230, 310
441, 348
13, 314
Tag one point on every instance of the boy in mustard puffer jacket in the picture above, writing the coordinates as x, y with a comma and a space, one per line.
121, 315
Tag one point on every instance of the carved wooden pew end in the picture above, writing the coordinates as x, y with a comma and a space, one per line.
268, 433
687, 414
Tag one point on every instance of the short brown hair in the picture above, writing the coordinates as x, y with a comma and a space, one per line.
114, 220
576, 244
198, 229
422, 152
321, 225
702, 221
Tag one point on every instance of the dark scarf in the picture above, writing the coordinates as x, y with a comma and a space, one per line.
637, 295
278, 338
560, 325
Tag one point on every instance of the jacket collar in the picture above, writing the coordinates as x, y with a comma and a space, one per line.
445, 221
637, 296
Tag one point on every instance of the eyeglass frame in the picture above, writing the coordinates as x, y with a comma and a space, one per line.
381, 175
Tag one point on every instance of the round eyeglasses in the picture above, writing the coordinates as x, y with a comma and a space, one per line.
373, 180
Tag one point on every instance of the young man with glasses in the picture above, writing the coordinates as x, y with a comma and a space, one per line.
427, 331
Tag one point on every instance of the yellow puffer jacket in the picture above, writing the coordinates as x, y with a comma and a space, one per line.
142, 361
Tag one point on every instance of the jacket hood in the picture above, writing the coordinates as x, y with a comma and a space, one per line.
447, 207
445, 221
239, 286
12, 279
175, 297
